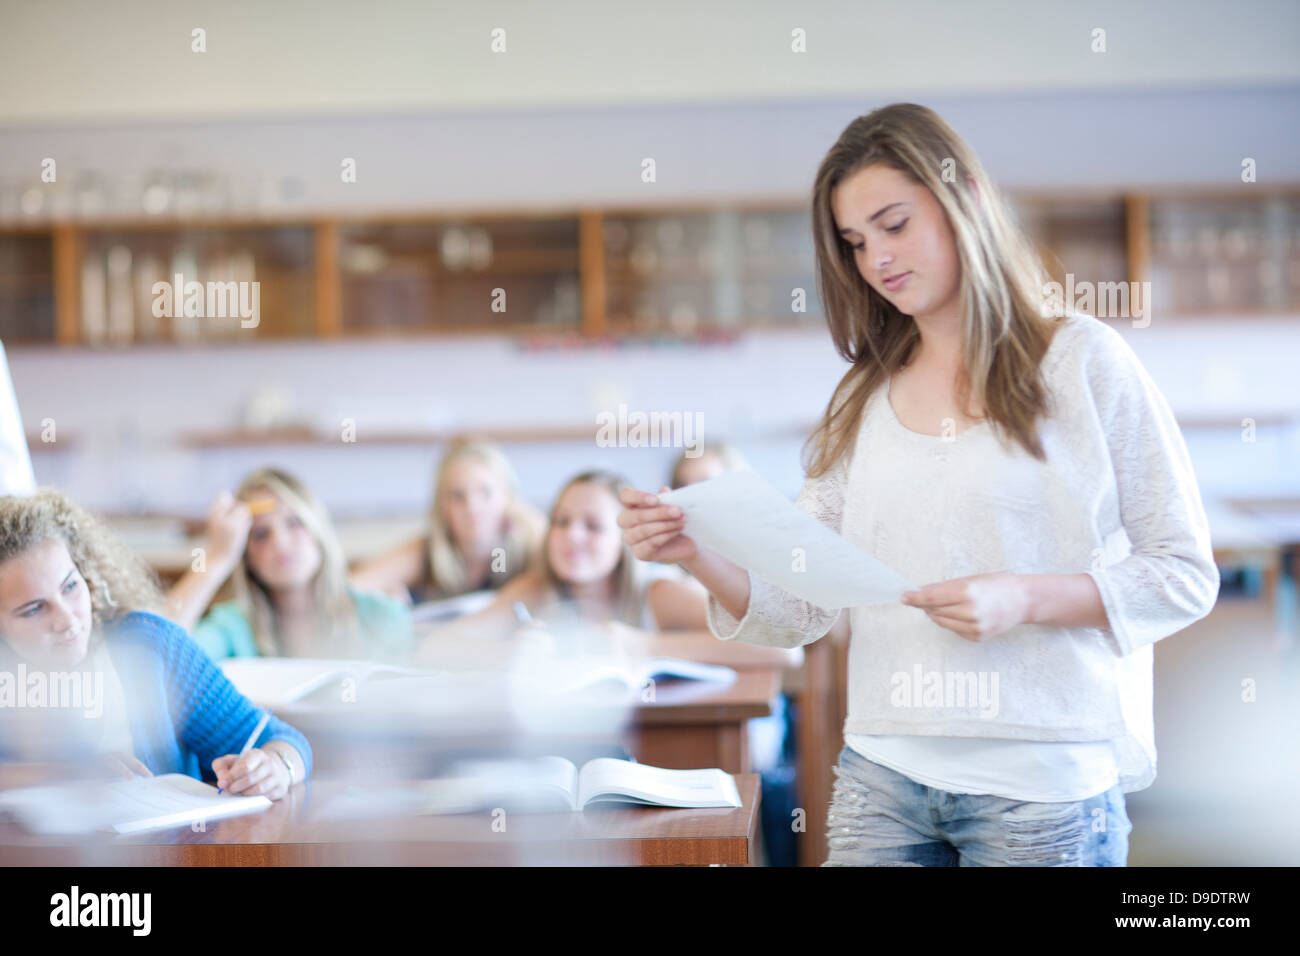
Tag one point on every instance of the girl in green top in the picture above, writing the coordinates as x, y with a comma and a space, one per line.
273, 539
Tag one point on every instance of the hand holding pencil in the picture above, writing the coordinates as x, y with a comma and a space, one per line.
253, 770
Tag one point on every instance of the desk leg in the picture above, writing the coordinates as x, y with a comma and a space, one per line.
817, 733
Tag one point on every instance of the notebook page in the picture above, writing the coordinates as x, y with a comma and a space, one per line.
126, 806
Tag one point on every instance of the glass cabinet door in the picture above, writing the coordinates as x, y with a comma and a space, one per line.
478, 275
136, 285
27, 287
683, 272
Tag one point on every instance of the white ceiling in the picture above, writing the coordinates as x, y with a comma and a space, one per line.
78, 61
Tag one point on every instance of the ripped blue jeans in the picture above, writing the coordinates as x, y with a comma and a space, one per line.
879, 817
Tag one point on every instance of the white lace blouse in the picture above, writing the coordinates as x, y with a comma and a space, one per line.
1116, 498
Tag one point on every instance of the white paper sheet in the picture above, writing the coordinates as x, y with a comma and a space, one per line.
747, 521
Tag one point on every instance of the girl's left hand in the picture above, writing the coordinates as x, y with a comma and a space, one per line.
977, 607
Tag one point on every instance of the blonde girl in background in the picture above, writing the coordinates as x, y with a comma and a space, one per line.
588, 580
715, 458
274, 540
481, 533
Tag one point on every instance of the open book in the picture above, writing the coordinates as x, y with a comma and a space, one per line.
631, 675
448, 609
277, 681
125, 806
549, 784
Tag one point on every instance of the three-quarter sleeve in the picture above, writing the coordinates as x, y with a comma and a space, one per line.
775, 617
212, 718
1169, 579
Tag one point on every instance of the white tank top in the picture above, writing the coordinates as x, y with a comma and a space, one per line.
1028, 770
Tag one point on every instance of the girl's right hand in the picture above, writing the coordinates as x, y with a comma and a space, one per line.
654, 531
229, 522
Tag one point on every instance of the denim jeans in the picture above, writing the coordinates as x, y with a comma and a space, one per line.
879, 817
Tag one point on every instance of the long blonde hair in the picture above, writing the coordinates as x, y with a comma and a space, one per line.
336, 613
118, 581
728, 455
1004, 332
445, 572
627, 574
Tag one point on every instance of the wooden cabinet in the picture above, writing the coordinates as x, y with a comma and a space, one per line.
472, 275
680, 272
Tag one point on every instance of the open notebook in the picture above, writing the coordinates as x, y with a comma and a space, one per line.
125, 806
630, 675
277, 681
549, 784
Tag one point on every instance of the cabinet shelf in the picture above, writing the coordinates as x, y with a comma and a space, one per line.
679, 270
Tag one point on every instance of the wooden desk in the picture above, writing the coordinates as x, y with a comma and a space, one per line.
706, 731
688, 726
292, 833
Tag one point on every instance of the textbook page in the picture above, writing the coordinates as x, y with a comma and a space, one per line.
747, 521
607, 779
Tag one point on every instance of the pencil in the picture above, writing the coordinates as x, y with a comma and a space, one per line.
257, 732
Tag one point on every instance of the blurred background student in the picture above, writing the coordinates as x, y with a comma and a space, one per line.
74, 599
715, 458
587, 581
481, 533
275, 542
585, 573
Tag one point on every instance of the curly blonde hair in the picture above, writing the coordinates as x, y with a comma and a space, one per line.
117, 579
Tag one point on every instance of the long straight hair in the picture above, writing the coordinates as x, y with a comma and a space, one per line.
627, 574
445, 573
1004, 331
337, 624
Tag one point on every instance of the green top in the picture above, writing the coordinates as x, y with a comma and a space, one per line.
385, 628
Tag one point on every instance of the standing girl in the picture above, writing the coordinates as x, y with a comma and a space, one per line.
1028, 467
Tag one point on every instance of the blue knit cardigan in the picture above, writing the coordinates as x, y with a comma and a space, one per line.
184, 712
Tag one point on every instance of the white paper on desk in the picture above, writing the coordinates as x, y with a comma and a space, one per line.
747, 521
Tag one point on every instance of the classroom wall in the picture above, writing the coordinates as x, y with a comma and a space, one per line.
120, 412
579, 157
88, 60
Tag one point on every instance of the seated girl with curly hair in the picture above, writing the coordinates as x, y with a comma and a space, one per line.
75, 606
